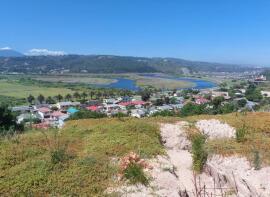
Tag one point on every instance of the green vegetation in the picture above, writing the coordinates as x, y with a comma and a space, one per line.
257, 126
199, 153
87, 79
257, 160
161, 83
8, 125
135, 174
17, 90
110, 64
253, 93
165, 113
85, 114
34, 166
241, 134
192, 109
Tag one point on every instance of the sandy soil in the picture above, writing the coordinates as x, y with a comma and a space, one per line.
215, 129
172, 174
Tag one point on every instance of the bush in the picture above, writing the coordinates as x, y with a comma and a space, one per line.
199, 154
253, 94
165, 113
257, 160
227, 108
241, 134
85, 114
58, 155
134, 173
8, 124
119, 115
242, 103
193, 109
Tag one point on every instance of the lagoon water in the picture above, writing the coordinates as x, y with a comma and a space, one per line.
130, 84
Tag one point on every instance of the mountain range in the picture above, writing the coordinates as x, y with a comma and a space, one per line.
8, 52
13, 61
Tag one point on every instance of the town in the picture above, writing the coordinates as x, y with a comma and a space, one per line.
242, 96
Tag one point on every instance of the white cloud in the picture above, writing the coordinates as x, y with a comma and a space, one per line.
44, 52
5, 48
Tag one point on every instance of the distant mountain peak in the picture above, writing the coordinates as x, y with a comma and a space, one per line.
5, 48
9, 52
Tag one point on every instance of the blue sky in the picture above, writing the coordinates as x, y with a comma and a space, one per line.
233, 31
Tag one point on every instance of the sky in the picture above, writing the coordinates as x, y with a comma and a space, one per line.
229, 31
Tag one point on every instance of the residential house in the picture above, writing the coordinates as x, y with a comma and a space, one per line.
22, 109
220, 93
45, 112
201, 100
67, 104
138, 113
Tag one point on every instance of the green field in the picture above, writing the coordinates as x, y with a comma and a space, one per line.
162, 83
13, 89
88, 79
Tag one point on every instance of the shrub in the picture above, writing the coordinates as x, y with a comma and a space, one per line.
8, 124
242, 103
257, 160
119, 115
84, 114
134, 173
132, 166
165, 113
241, 134
58, 155
193, 109
199, 154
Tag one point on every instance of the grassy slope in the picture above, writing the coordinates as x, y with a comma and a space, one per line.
26, 168
17, 90
257, 138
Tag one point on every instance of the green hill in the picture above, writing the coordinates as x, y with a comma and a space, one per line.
110, 64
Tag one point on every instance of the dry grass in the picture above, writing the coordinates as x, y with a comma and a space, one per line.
257, 138
25, 161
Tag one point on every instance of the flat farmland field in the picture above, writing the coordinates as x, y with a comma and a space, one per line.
88, 79
164, 83
17, 90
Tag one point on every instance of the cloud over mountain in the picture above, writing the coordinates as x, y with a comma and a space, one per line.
44, 52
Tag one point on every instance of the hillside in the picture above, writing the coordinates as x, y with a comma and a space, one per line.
110, 64
84, 157
7, 52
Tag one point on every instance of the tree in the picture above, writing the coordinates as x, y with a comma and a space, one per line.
8, 121
41, 98
68, 97
145, 94
92, 93
227, 108
159, 102
242, 102
217, 101
30, 99
50, 100
253, 93
192, 109
84, 114
59, 97
84, 95
77, 95
167, 100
